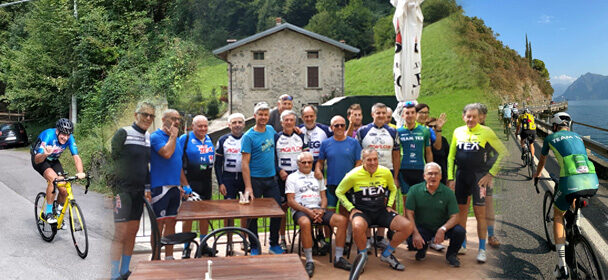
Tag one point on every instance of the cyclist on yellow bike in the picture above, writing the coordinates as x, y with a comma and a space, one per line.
45, 155
576, 176
525, 124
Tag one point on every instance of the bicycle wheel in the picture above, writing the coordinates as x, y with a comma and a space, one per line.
47, 231
548, 220
587, 265
79, 230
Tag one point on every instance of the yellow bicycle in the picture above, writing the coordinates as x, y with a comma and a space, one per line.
70, 210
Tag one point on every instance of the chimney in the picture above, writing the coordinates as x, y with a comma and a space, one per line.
278, 21
230, 41
342, 41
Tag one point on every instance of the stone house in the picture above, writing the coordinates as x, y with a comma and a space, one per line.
283, 59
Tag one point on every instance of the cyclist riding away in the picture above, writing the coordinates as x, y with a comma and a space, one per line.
576, 176
506, 116
528, 130
45, 155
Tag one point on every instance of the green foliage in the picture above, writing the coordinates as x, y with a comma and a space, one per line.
384, 33
539, 66
299, 12
435, 10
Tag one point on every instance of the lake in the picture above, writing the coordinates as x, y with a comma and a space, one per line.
592, 112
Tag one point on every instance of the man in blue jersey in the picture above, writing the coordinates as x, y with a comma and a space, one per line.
259, 171
166, 175
415, 140
314, 133
45, 155
342, 153
131, 156
198, 156
288, 145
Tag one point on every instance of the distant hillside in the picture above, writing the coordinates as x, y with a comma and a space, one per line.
589, 87
559, 89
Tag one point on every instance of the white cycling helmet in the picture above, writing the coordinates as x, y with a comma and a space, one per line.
194, 197
561, 119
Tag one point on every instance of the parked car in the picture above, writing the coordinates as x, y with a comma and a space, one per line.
12, 134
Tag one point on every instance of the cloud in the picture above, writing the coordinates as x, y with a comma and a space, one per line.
545, 19
562, 79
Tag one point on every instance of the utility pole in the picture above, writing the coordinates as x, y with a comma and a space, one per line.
74, 104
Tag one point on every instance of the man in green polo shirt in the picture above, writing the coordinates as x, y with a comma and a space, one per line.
433, 207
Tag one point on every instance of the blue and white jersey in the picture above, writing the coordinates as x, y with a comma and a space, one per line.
288, 147
383, 139
200, 153
229, 149
506, 112
49, 138
315, 137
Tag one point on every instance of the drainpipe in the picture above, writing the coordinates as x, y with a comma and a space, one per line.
230, 86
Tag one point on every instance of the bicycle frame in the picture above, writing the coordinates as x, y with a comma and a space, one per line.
66, 204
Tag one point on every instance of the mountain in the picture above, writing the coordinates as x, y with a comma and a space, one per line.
559, 89
589, 87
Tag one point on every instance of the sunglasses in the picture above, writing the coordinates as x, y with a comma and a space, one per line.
339, 125
286, 97
146, 115
409, 104
306, 162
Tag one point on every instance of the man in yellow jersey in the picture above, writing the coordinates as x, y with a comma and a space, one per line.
369, 183
525, 124
468, 151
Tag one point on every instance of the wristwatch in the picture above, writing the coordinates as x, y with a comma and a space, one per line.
443, 228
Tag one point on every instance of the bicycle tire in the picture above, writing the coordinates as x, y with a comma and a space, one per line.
587, 264
78, 228
47, 231
548, 220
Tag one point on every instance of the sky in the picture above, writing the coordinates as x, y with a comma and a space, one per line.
571, 37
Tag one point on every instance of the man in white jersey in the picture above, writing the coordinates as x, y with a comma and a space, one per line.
288, 145
314, 133
306, 196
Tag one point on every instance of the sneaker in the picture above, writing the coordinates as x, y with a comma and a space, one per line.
50, 218
493, 241
208, 251
382, 244
283, 245
462, 251
561, 272
255, 251
481, 256
186, 252
436, 247
343, 264
274, 250
58, 209
324, 249
125, 276
310, 268
393, 262
421, 255
453, 261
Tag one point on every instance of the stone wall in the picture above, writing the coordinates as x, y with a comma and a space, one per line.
286, 62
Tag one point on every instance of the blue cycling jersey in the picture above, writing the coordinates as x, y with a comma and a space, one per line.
49, 138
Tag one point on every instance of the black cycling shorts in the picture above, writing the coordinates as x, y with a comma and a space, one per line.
233, 183
41, 167
381, 218
326, 216
410, 177
201, 183
128, 206
528, 133
467, 184
166, 201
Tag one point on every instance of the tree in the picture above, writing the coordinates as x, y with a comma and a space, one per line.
539, 66
299, 12
384, 33
435, 10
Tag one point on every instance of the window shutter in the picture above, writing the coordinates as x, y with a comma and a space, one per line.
313, 77
258, 77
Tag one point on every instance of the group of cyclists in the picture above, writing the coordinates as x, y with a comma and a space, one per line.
395, 159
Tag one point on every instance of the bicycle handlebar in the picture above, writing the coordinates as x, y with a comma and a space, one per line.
550, 178
73, 178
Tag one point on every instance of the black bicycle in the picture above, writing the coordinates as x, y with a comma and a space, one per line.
528, 157
581, 260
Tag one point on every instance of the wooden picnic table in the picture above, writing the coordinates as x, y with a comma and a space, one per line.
287, 266
228, 209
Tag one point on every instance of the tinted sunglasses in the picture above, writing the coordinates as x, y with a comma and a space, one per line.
409, 104
286, 97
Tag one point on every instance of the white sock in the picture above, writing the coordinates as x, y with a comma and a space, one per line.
308, 254
339, 252
561, 254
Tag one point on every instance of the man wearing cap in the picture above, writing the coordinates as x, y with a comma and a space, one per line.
285, 103
258, 167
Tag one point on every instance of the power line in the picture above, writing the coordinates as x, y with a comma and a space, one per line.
14, 3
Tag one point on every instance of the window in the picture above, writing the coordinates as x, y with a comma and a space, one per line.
259, 79
312, 54
258, 55
312, 77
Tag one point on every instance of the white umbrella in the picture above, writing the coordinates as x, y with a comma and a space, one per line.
408, 20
